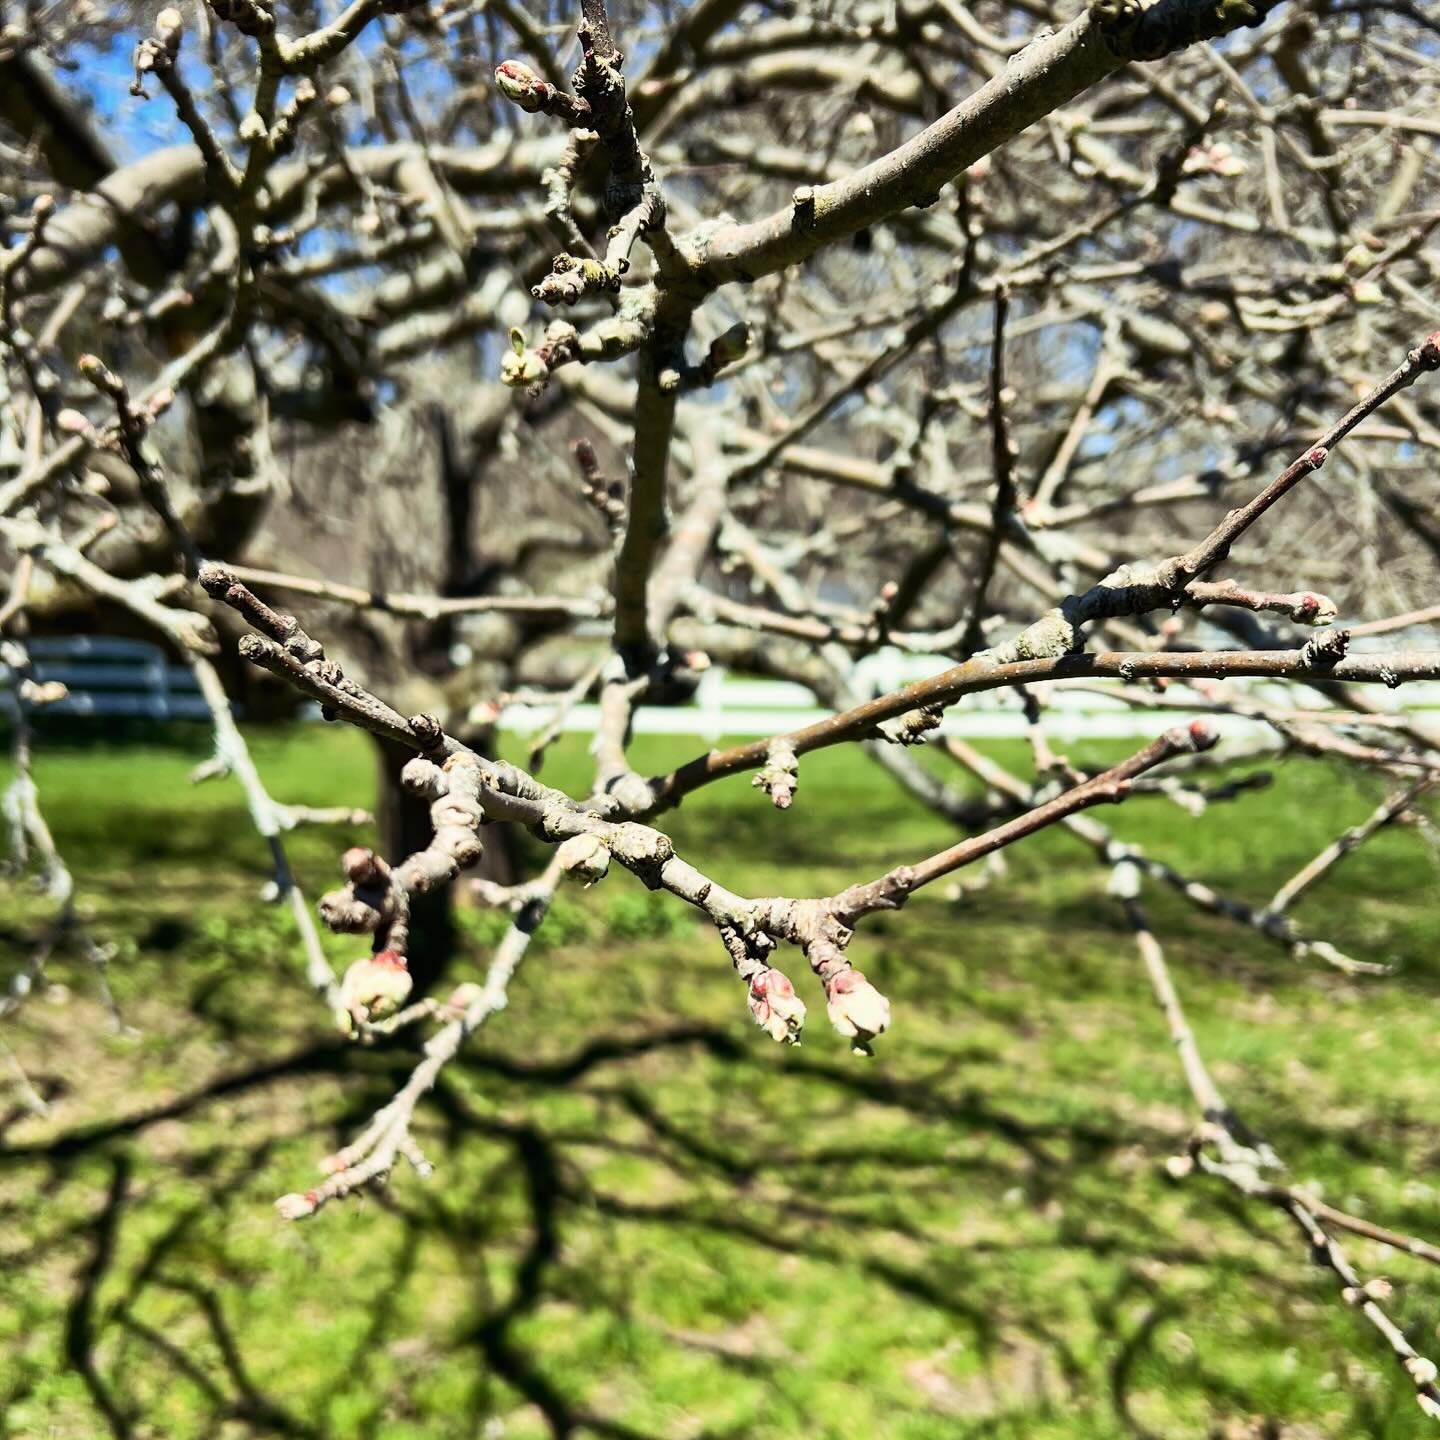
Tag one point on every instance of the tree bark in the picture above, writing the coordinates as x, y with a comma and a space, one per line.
403, 820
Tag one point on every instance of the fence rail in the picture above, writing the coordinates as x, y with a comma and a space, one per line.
107, 677
728, 704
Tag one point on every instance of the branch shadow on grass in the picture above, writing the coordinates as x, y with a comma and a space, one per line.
859, 1196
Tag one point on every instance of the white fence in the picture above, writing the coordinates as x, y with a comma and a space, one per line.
728, 704
108, 677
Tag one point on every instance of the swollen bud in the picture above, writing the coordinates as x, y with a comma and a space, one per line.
521, 85
362, 867
729, 346
584, 857
521, 365
297, 1207
777, 1009
1316, 609
856, 1008
373, 988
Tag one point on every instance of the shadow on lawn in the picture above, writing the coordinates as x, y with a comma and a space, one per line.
858, 1202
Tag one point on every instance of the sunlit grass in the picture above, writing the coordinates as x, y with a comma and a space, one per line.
647, 1220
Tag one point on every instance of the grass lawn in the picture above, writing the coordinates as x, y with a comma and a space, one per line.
647, 1220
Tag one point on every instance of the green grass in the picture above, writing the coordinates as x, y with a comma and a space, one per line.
648, 1220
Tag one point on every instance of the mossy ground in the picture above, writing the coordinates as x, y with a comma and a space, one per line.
647, 1219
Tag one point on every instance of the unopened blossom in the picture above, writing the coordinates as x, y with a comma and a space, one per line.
296, 1207
521, 85
856, 1008
373, 988
777, 1009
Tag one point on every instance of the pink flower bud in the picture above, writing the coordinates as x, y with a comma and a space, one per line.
777, 1009
856, 1008
297, 1207
1316, 609
72, 422
521, 85
373, 988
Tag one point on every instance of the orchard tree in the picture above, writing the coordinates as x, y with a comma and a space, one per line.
1087, 350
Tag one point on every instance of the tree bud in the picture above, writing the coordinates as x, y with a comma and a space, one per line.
297, 1207
373, 988
521, 85
584, 857
777, 1009
856, 1008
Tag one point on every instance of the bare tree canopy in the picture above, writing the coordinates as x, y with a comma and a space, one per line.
528, 354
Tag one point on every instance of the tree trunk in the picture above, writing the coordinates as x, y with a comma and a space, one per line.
404, 823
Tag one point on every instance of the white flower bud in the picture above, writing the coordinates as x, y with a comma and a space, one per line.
856, 1008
